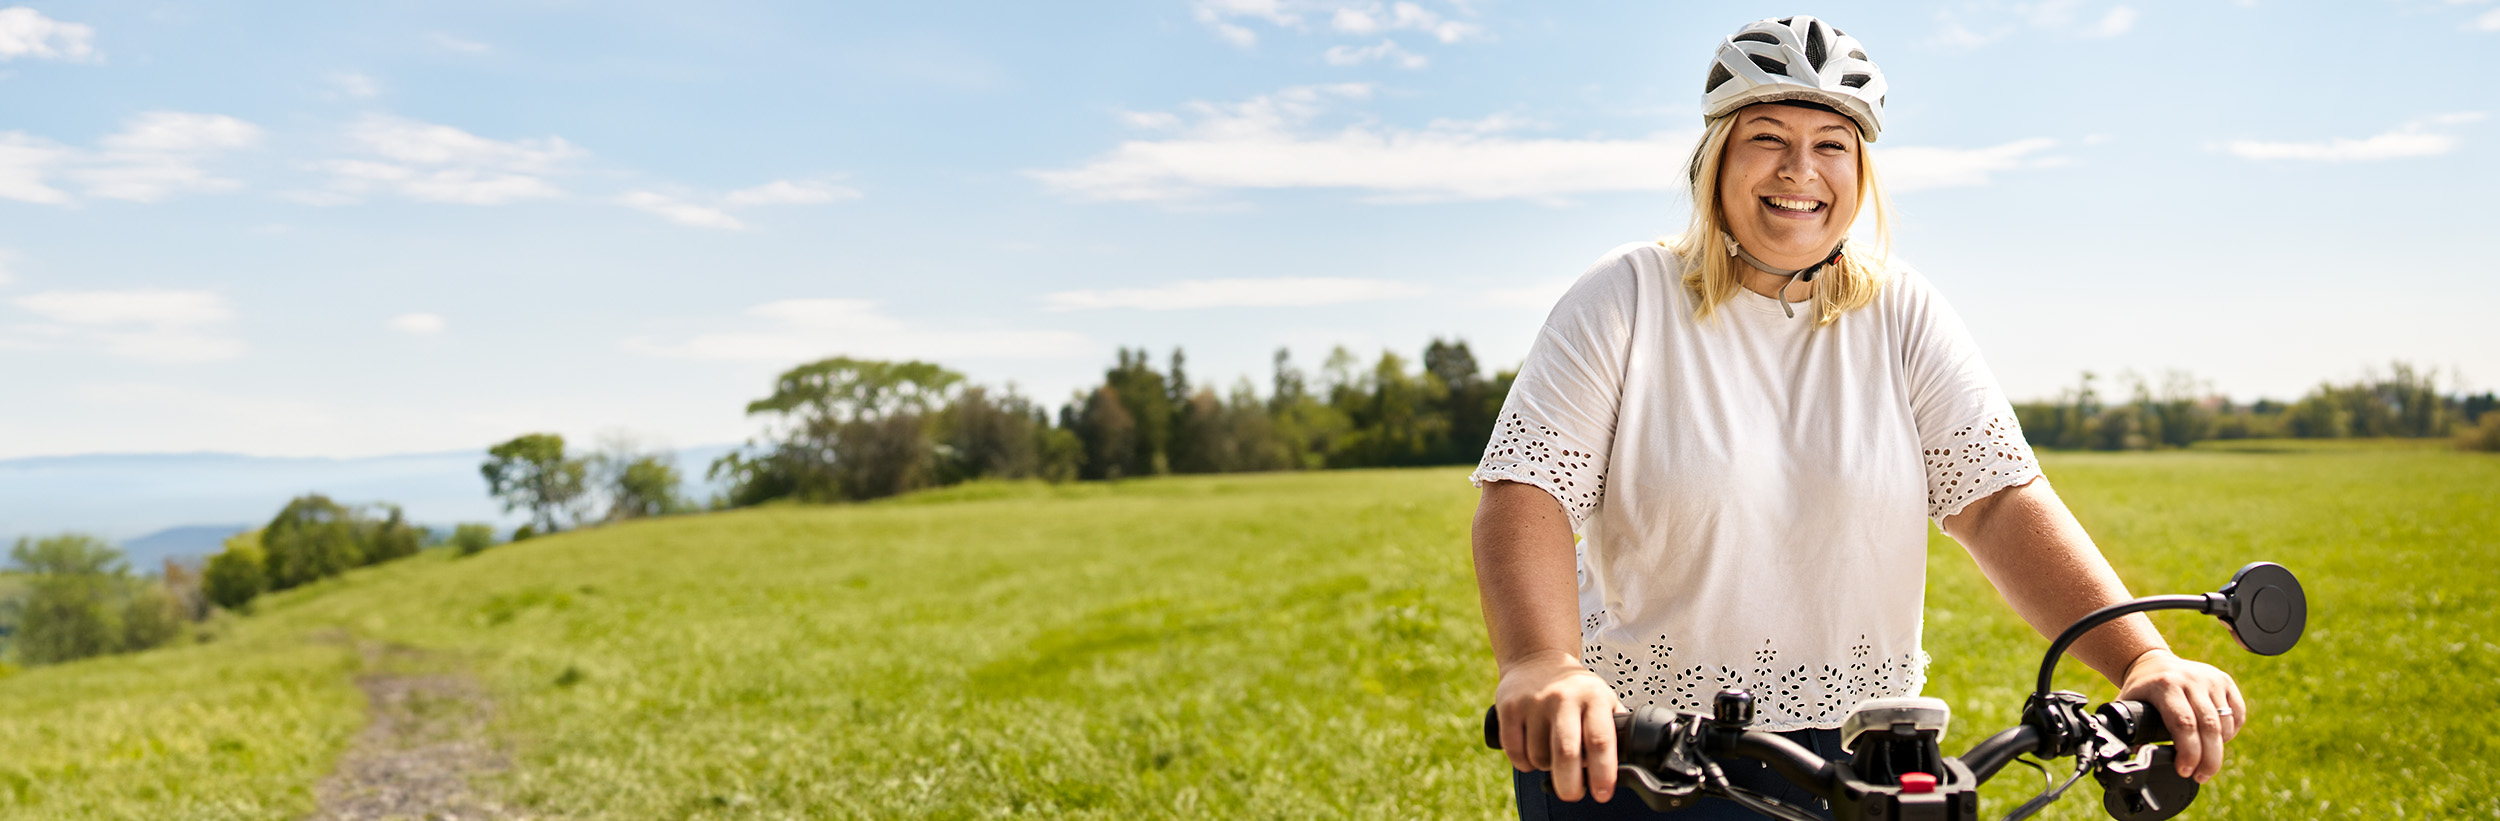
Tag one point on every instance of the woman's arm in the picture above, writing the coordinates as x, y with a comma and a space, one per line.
2039, 558
1555, 714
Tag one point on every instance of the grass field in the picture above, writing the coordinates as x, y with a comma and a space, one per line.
1284, 646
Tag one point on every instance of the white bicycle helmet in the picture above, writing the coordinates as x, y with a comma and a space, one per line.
1796, 58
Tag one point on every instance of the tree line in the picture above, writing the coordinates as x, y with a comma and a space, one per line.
850, 429
2405, 401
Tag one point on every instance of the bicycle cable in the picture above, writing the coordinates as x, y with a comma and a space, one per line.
1760, 804
2083, 764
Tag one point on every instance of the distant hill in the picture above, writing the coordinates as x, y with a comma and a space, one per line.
133, 496
189, 544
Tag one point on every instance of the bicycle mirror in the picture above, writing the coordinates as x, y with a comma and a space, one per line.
2268, 609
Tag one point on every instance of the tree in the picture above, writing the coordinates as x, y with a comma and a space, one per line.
842, 428
532, 473
472, 538
1109, 435
390, 538
69, 612
238, 574
311, 539
637, 481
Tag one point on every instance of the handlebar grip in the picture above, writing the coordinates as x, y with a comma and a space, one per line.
2140, 721
1493, 726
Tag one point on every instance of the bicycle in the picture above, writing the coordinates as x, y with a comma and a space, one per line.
1895, 769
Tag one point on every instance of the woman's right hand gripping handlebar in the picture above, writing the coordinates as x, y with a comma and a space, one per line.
1555, 714
1558, 717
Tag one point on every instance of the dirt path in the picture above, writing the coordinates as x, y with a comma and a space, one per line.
427, 740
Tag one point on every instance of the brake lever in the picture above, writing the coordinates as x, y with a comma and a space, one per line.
2146, 787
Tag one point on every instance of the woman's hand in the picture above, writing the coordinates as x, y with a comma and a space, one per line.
2199, 702
1558, 716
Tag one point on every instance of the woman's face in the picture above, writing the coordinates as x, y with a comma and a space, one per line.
1788, 182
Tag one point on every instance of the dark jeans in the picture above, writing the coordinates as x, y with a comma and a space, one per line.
1536, 804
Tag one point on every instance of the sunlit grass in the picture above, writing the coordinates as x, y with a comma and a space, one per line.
1291, 646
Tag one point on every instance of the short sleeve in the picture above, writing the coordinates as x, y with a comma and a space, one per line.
1558, 421
1967, 431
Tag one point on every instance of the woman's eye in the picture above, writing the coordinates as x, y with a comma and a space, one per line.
1770, 140
1833, 147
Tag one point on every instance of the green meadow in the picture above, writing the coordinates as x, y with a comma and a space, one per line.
1239, 646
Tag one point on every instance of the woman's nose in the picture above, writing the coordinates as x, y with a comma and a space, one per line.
1795, 166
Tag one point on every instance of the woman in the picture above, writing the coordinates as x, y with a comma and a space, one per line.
1745, 427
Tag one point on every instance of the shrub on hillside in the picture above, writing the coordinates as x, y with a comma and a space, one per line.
312, 539
2483, 436
67, 613
81, 601
472, 538
237, 574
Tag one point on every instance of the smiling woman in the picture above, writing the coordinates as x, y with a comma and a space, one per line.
1748, 485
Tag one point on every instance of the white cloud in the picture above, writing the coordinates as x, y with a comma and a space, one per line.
24, 161
1231, 19
459, 44
1372, 18
156, 154
1280, 292
2413, 139
2115, 23
680, 211
788, 192
440, 163
420, 324
1911, 168
159, 154
807, 329
355, 86
2000, 19
1267, 142
150, 325
1387, 49
2490, 21
25, 32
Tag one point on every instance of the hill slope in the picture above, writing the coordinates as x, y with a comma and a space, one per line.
1300, 645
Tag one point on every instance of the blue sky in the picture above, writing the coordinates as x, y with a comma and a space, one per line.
349, 229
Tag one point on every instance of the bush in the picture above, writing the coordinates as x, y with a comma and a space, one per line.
472, 538
69, 589
2484, 436
238, 574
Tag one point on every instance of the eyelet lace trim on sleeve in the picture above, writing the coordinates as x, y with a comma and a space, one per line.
1533, 454
1983, 458
1786, 696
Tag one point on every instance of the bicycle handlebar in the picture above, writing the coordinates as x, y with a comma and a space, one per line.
1664, 755
2136, 722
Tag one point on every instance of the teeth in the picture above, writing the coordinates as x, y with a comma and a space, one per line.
1793, 205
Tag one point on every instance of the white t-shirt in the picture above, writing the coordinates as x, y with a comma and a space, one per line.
1751, 491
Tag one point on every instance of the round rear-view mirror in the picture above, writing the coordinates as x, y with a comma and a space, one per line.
2268, 606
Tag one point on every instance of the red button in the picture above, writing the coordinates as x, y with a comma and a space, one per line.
1918, 783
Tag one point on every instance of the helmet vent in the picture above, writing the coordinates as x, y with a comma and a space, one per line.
1770, 65
1718, 75
1814, 46
1788, 21
1757, 37
1854, 80
1855, 54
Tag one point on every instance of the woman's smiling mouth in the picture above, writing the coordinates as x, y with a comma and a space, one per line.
1792, 206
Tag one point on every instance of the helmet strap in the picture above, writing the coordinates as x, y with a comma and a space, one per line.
1805, 274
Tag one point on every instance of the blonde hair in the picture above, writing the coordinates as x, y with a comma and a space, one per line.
1713, 274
